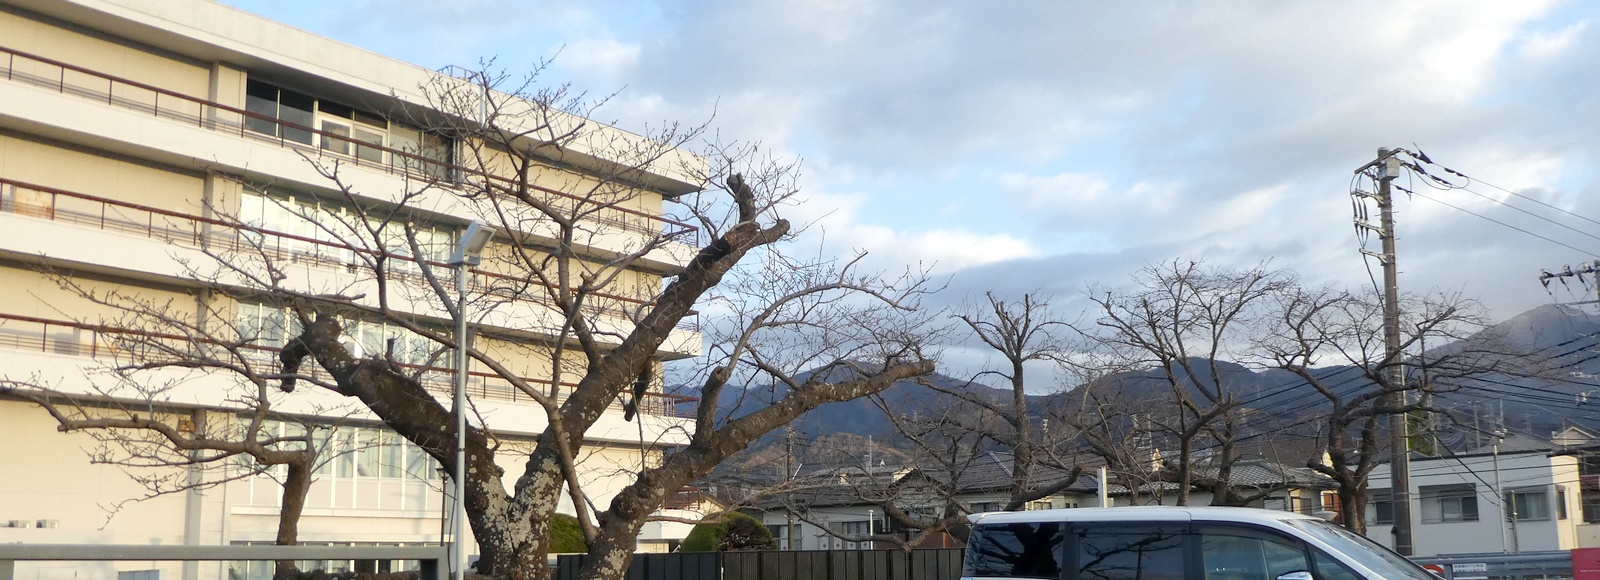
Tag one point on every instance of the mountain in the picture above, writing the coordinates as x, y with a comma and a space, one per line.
1569, 338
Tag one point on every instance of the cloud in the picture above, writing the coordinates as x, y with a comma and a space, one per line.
1058, 144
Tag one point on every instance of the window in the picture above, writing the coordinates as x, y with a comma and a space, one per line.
1039, 505
1442, 504
1382, 506
1561, 502
299, 216
1227, 554
1591, 507
277, 104
345, 130
1131, 554
1024, 550
1330, 569
979, 507
1528, 504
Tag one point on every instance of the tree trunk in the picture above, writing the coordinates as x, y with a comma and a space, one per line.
1352, 507
295, 487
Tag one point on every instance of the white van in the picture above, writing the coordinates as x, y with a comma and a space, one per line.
1174, 543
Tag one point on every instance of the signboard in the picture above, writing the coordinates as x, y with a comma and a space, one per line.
1471, 567
1586, 564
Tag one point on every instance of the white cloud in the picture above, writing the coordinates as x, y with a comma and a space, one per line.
604, 57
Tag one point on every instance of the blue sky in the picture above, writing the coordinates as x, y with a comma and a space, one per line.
1053, 145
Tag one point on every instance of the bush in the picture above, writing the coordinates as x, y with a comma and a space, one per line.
731, 531
566, 537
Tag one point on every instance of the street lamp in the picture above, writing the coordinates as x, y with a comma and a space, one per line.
467, 254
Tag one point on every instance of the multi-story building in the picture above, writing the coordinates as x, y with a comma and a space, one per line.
1521, 497
143, 142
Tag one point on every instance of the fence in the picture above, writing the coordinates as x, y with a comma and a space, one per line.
430, 558
930, 564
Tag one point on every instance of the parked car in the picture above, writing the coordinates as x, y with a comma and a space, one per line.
1174, 543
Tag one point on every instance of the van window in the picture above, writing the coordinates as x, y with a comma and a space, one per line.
1022, 550
1227, 554
1144, 553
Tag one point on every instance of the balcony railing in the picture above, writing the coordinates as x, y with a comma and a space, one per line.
223, 236
166, 104
71, 338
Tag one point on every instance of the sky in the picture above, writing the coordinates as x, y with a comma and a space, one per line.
1054, 146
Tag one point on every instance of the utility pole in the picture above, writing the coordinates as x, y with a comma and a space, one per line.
788, 476
1400, 442
1386, 168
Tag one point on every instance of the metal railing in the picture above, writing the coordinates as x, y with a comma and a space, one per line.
223, 236
1550, 565
162, 103
72, 338
433, 559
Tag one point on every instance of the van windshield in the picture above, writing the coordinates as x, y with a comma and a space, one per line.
1364, 551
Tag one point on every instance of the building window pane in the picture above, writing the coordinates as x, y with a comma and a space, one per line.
337, 138
298, 109
1382, 506
369, 456
1449, 503
1528, 504
1561, 502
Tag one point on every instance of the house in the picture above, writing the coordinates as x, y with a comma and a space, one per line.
1519, 496
845, 502
1274, 486
128, 130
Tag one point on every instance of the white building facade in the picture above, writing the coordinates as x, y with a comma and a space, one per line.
127, 127
1481, 503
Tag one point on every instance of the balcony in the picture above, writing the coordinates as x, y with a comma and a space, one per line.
66, 79
222, 237
107, 343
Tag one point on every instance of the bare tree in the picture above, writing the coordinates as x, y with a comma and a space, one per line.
172, 449
971, 442
1183, 320
574, 301
1334, 342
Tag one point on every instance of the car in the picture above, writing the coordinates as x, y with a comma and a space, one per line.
1174, 543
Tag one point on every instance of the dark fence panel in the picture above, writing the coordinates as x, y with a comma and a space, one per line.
929, 564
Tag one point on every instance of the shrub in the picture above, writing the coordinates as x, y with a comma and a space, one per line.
730, 531
565, 536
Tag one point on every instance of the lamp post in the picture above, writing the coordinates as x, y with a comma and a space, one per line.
467, 254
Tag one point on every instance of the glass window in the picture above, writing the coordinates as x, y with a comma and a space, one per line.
1234, 555
261, 99
1382, 506
418, 464
336, 137
1022, 550
296, 108
1449, 503
369, 455
1528, 504
345, 448
320, 440
1561, 502
1358, 548
1330, 569
1131, 554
